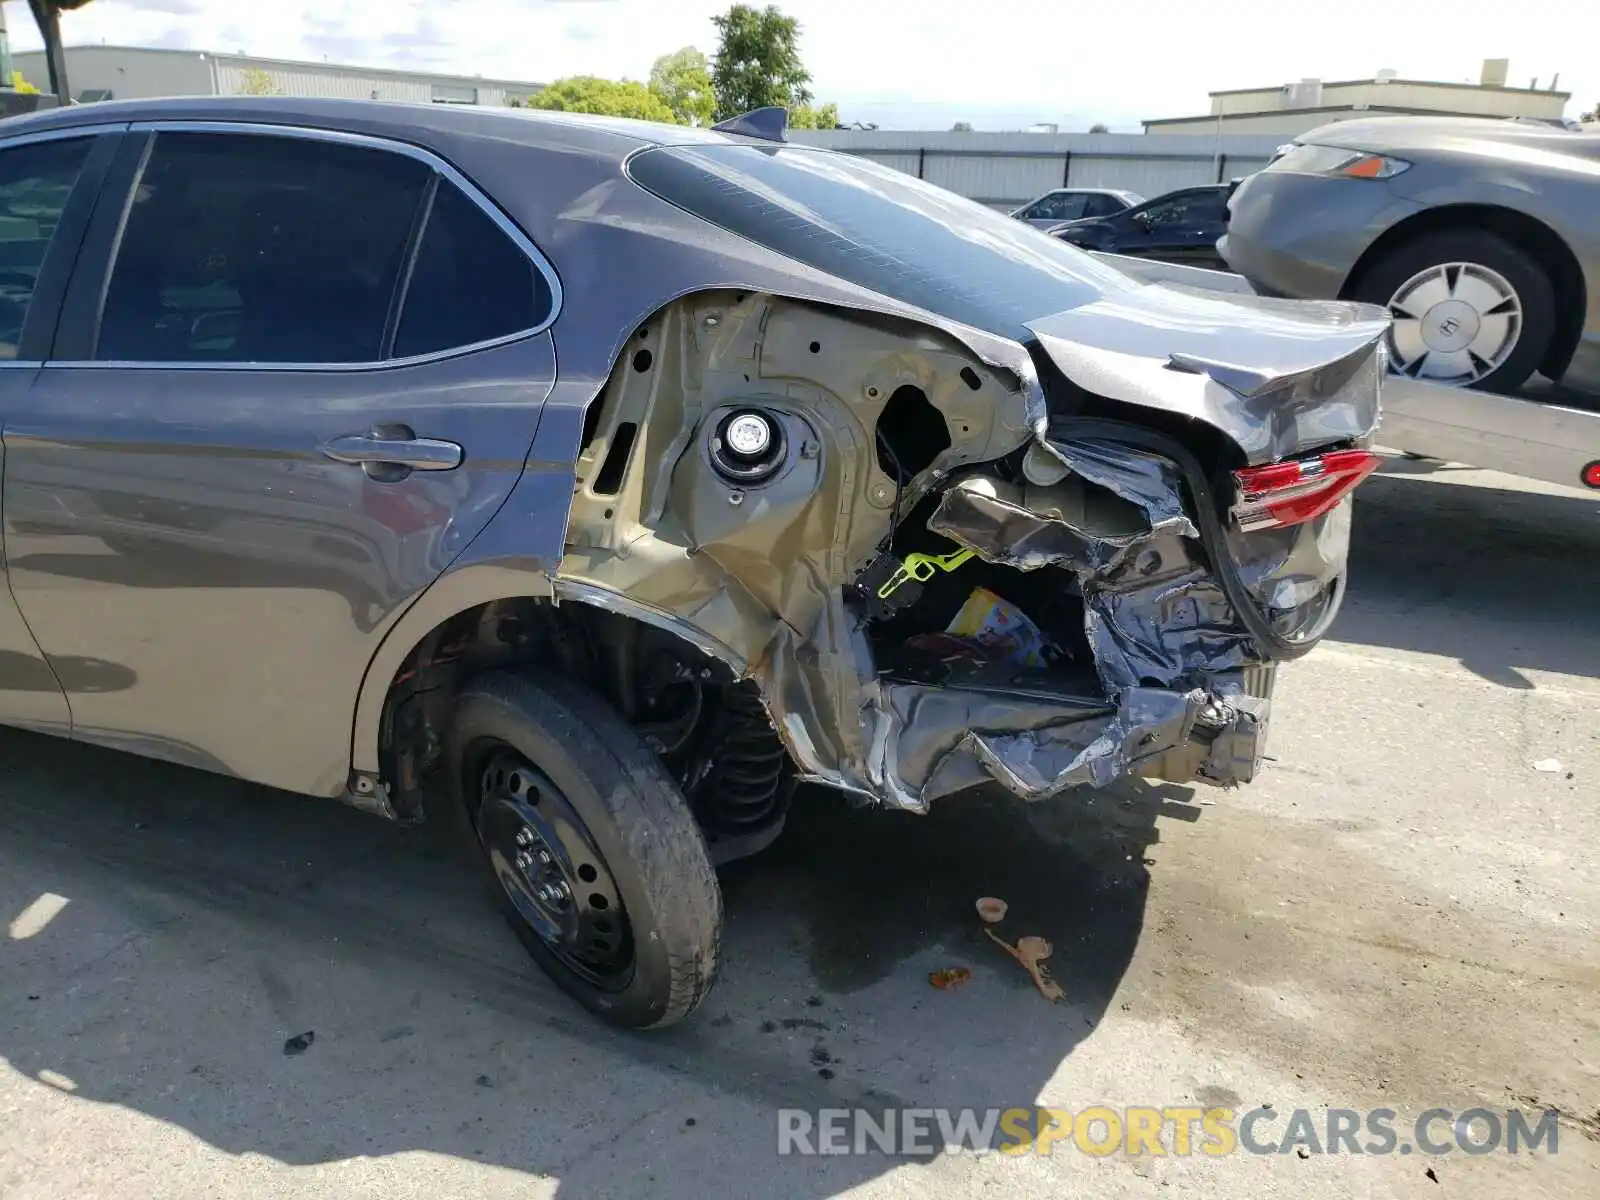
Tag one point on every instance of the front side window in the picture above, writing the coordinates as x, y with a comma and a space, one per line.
256, 248
1042, 209
1187, 208
35, 181
1210, 207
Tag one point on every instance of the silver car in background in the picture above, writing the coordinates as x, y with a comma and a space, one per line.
1480, 237
1075, 204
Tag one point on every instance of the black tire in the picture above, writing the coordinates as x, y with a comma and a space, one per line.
635, 815
1380, 281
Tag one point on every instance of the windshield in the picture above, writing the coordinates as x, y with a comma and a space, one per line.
881, 229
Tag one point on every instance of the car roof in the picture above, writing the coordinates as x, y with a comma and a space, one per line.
1192, 187
399, 120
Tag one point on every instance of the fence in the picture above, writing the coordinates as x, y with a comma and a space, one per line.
1008, 169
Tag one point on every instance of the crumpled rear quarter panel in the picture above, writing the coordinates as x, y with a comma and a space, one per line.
669, 320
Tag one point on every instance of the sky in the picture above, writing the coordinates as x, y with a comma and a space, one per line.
907, 64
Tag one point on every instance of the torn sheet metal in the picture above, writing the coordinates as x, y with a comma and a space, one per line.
1143, 479
1154, 613
1293, 573
1278, 377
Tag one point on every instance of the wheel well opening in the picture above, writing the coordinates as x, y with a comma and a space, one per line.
709, 727
1526, 233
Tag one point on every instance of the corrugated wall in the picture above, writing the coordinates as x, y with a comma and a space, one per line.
232, 77
353, 83
1009, 169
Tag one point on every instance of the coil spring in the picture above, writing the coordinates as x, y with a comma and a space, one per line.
745, 789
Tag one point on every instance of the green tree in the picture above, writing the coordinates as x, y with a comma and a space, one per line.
1097, 127
683, 81
47, 16
253, 81
961, 127
603, 97
758, 61
824, 116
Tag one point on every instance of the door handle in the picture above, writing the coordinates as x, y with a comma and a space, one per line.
386, 449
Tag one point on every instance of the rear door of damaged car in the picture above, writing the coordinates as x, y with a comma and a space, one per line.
296, 371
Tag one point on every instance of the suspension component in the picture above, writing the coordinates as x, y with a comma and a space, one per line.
747, 783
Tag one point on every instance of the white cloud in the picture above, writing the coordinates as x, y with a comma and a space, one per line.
905, 62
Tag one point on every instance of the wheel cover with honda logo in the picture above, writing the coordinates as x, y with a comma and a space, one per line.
1454, 323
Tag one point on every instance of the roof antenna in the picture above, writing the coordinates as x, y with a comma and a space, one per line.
768, 124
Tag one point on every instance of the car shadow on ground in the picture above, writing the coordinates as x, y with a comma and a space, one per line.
1474, 573
207, 924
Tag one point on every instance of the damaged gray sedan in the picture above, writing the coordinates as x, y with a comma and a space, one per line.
581, 486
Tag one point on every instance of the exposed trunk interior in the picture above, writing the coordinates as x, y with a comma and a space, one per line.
908, 647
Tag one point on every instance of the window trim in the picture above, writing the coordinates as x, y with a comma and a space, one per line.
442, 169
54, 135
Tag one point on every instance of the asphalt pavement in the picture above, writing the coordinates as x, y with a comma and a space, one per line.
208, 988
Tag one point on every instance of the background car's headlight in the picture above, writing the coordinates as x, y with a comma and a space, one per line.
1335, 160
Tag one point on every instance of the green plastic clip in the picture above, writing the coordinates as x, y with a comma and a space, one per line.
921, 567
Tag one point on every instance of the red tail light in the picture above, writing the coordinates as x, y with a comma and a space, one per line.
1288, 493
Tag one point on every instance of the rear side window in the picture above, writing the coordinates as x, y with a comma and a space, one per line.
471, 283
257, 248
35, 181
1073, 207
1188, 208
881, 229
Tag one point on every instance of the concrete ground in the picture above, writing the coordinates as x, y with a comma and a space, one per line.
1401, 913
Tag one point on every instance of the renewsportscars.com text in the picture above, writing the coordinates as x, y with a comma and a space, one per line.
1180, 1131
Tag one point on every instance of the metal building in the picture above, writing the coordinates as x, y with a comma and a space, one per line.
129, 72
1005, 170
1294, 108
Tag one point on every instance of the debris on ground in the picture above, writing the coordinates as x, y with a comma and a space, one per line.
299, 1043
991, 910
1429, 1173
1031, 953
949, 977
1549, 766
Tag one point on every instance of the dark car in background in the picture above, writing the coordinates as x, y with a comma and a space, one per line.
1181, 227
1480, 237
1074, 204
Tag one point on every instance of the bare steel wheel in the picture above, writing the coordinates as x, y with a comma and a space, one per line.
1469, 309
587, 845
549, 866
